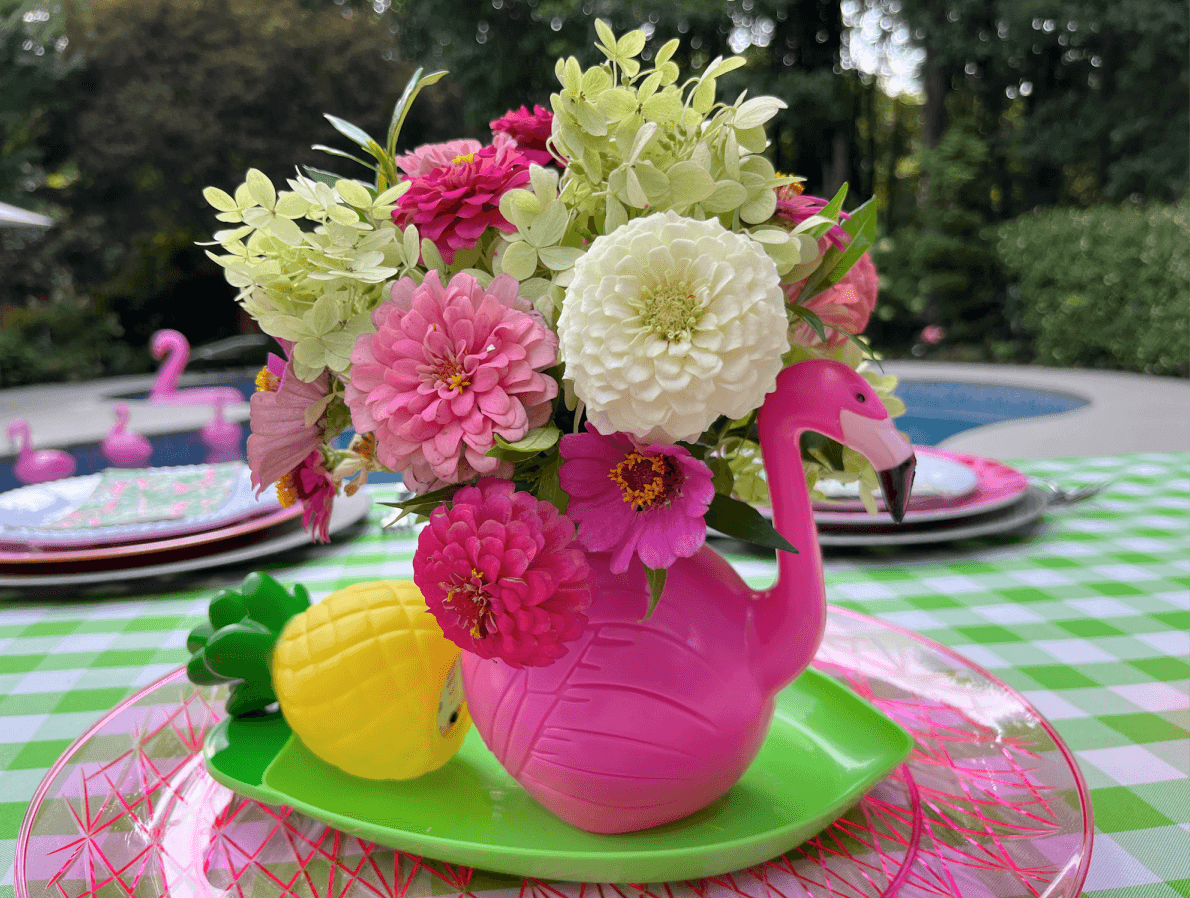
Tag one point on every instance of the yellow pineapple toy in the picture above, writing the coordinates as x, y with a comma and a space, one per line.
364, 678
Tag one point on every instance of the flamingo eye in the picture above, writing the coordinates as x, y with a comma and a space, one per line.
860, 397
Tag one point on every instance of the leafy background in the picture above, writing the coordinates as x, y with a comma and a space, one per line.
1032, 186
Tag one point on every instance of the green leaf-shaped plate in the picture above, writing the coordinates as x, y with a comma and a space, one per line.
826, 748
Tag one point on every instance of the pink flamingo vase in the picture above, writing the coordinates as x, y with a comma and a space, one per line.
644, 722
37, 466
175, 349
123, 447
222, 437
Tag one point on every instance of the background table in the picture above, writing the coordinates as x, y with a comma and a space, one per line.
1088, 616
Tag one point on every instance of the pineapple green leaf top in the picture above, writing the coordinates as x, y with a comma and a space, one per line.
235, 643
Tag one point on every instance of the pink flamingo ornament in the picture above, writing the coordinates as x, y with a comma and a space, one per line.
41, 465
223, 437
175, 348
644, 722
125, 448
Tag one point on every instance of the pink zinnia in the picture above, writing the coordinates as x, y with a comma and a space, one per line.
420, 162
845, 307
628, 499
281, 439
448, 369
501, 574
530, 130
311, 484
455, 203
795, 207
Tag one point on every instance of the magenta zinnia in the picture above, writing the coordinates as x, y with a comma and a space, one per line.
448, 369
420, 162
794, 207
647, 501
281, 438
501, 574
530, 130
310, 484
845, 308
455, 203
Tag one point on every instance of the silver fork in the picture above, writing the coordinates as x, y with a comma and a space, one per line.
1066, 495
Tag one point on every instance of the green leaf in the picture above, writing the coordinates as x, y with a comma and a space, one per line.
811, 318
558, 258
322, 175
741, 521
356, 135
549, 227
539, 439
401, 109
664, 54
656, 578
331, 151
354, 193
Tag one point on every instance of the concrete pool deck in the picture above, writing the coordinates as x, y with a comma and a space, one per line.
1125, 413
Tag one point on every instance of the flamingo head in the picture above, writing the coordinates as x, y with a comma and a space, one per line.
17, 428
166, 341
840, 404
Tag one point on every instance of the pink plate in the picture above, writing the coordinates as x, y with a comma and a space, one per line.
998, 486
11, 559
989, 805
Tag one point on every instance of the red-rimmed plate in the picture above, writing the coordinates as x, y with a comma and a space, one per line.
997, 486
989, 805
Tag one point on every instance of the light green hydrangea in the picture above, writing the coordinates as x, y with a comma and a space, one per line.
314, 286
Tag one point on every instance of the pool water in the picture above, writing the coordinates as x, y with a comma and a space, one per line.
935, 410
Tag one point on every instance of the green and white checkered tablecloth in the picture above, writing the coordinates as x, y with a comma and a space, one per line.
1088, 617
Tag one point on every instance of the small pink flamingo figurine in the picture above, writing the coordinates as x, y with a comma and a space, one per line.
175, 348
39, 466
125, 448
222, 437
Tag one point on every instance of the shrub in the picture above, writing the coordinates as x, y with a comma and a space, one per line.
1105, 287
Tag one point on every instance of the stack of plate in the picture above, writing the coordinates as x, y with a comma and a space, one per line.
129, 524
955, 496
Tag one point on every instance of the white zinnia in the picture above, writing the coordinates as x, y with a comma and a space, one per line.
668, 324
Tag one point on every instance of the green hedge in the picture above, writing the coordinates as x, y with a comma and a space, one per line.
1107, 287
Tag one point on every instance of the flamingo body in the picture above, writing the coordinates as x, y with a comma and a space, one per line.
125, 448
223, 437
41, 465
644, 722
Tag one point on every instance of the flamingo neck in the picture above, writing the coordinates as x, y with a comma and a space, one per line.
177, 354
792, 614
20, 431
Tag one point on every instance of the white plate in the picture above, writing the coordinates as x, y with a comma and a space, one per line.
1024, 511
348, 510
935, 476
128, 505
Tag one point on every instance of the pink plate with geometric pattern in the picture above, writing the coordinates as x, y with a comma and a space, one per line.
990, 804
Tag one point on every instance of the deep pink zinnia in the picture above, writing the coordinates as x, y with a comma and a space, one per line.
629, 499
448, 369
455, 203
281, 439
312, 485
530, 130
845, 307
501, 573
795, 207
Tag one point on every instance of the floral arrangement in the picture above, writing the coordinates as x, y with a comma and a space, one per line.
560, 338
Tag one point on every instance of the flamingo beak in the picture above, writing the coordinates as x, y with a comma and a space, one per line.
890, 454
896, 484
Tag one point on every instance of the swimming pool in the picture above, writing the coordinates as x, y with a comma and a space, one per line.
935, 410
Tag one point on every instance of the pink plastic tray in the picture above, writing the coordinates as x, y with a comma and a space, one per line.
989, 805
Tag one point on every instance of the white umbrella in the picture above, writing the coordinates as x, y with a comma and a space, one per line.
11, 216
